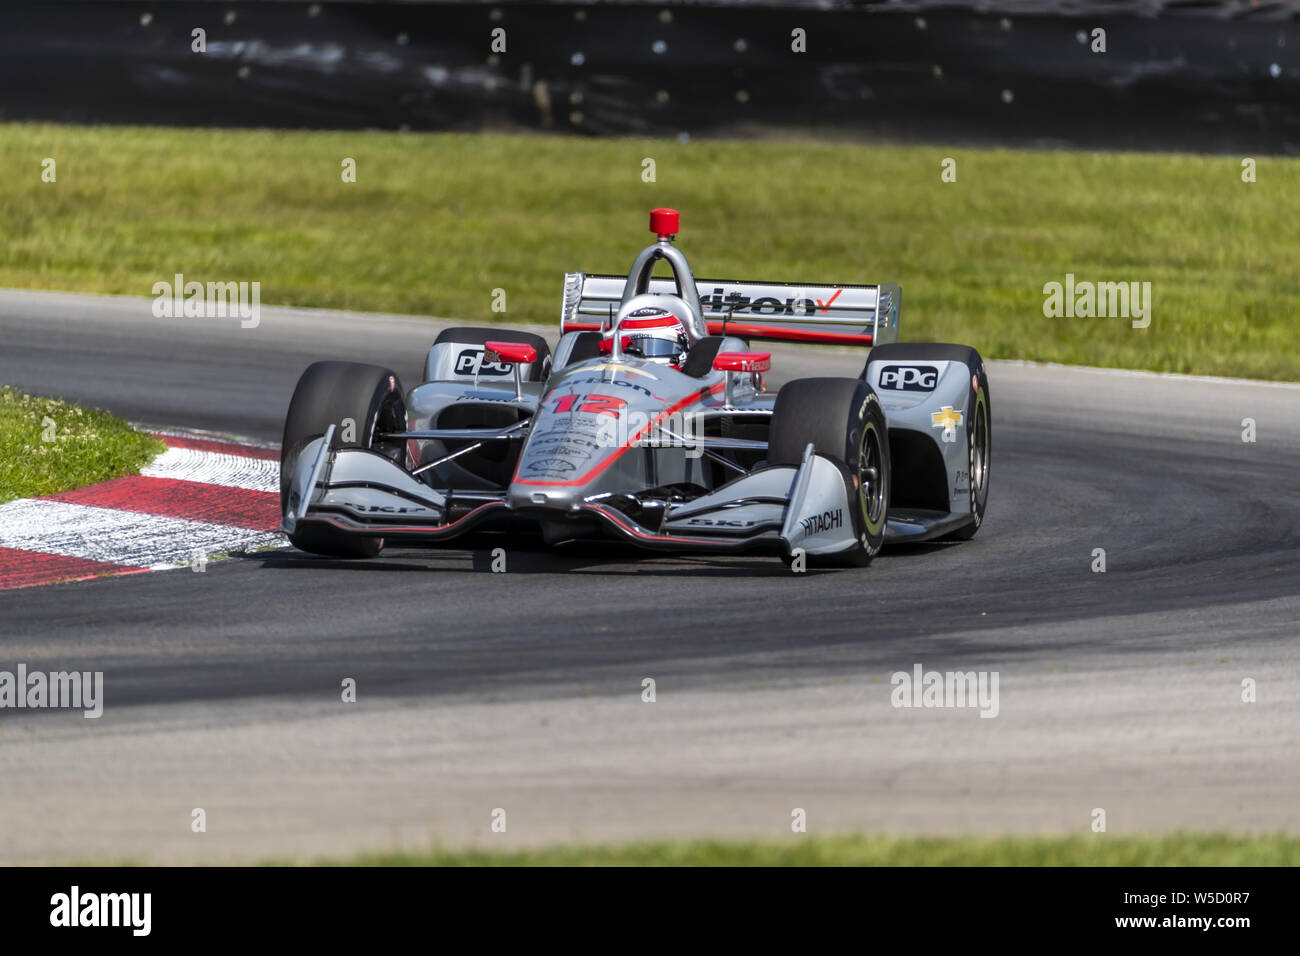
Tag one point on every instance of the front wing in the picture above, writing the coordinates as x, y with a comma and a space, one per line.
777, 509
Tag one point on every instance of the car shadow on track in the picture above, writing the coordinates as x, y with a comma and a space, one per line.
529, 555
544, 562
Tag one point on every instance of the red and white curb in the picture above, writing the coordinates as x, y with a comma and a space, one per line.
204, 496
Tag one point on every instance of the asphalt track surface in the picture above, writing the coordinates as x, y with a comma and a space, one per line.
523, 691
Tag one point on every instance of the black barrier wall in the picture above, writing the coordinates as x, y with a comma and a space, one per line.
1225, 79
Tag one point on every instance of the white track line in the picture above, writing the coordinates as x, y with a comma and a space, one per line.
1144, 373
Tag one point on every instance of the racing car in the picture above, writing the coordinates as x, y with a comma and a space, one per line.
650, 423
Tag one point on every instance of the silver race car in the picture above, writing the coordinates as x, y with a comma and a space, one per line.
650, 423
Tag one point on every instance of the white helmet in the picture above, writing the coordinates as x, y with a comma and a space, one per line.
653, 327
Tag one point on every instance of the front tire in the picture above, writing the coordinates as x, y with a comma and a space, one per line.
843, 419
361, 402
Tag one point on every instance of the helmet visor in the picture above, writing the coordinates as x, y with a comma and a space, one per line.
649, 346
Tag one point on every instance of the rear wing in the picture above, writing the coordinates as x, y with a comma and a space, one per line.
787, 311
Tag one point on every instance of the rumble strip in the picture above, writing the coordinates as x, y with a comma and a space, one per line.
200, 498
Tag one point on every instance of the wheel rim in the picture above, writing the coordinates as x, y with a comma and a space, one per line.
979, 452
871, 478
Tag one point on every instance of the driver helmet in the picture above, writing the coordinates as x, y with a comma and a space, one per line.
653, 331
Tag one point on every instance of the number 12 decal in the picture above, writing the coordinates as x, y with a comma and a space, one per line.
590, 405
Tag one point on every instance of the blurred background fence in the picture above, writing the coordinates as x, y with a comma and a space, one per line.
1206, 77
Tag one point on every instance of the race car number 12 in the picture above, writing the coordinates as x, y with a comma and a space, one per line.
590, 404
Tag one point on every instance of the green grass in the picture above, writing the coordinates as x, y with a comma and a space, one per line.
47, 446
1092, 850
434, 223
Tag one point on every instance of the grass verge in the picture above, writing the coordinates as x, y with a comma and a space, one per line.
1179, 849
435, 222
47, 446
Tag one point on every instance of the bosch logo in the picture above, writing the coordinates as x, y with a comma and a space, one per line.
909, 378
470, 361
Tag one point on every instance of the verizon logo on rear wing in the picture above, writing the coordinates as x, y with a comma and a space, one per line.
789, 311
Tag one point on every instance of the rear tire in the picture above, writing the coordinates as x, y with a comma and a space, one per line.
979, 433
360, 401
843, 419
979, 444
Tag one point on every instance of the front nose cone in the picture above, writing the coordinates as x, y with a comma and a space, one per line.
522, 497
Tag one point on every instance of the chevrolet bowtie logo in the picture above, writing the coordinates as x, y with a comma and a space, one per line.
946, 418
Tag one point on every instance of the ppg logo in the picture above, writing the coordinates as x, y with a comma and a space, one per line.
910, 378
471, 360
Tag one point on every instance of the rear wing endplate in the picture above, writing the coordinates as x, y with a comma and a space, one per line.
784, 311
